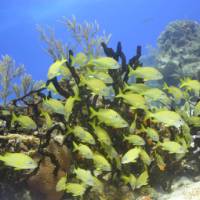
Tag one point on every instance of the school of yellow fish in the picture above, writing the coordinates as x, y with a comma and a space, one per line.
96, 143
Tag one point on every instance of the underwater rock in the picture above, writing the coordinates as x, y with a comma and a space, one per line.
183, 189
43, 184
179, 50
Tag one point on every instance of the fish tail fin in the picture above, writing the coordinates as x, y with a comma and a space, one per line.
125, 86
93, 112
14, 118
92, 123
76, 93
148, 115
75, 146
125, 179
69, 130
143, 128
120, 94
1, 158
124, 137
82, 80
165, 86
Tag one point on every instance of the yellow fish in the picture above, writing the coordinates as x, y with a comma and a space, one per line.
61, 185
146, 73
48, 120
82, 134
18, 161
101, 163
53, 106
197, 109
172, 147
169, 118
151, 133
145, 157
135, 100
131, 179
135, 140
109, 117
98, 87
174, 91
75, 189
160, 162
136, 182
101, 75
102, 135
131, 156
104, 63
98, 186
189, 84
79, 60
132, 127
58, 68
24, 121
85, 176
69, 104
194, 121
136, 87
155, 94
83, 150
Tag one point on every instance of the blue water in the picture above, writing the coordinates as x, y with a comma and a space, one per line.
132, 22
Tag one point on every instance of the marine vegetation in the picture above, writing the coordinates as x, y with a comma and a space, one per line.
115, 129
11, 75
86, 37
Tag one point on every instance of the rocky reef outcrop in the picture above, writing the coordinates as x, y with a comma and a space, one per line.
184, 189
178, 52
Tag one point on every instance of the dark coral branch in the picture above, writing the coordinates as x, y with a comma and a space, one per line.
56, 84
72, 69
115, 74
134, 62
109, 51
14, 101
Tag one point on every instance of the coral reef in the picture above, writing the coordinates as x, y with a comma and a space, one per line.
118, 142
187, 190
96, 129
179, 50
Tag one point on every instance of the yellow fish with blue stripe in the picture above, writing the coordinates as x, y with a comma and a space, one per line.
19, 161
135, 100
103, 63
109, 117
82, 134
53, 106
102, 136
83, 150
85, 176
135, 140
100, 162
146, 73
24, 121
131, 156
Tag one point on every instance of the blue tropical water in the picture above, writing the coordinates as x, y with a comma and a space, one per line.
133, 22
102, 127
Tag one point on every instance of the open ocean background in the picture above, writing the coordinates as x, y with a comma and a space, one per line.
133, 22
